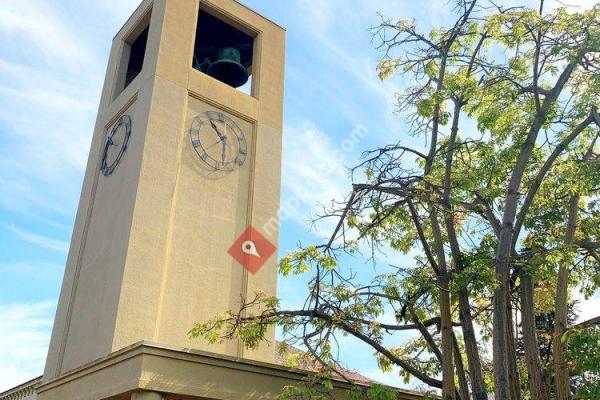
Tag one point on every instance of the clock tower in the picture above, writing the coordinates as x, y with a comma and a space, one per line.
185, 157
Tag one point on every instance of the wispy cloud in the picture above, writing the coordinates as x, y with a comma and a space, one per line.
39, 240
314, 170
40, 25
338, 36
25, 332
50, 79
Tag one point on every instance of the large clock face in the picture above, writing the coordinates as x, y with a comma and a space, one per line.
218, 141
116, 144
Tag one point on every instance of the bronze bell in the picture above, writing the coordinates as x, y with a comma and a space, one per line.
228, 67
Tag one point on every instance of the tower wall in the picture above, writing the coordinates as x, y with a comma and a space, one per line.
148, 255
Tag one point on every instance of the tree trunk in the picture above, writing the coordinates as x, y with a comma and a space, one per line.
535, 372
499, 341
559, 347
471, 350
448, 390
463, 387
513, 374
504, 250
466, 319
443, 282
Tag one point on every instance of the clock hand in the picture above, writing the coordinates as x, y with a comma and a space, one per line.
213, 145
221, 136
224, 141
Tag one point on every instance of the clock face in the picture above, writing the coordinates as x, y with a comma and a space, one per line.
219, 142
116, 144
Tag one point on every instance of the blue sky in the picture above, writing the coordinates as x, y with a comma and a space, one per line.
53, 54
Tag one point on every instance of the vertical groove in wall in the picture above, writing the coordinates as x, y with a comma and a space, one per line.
255, 92
249, 218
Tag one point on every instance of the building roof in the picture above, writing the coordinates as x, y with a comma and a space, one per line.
23, 391
309, 363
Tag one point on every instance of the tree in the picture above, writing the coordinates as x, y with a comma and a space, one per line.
503, 199
545, 322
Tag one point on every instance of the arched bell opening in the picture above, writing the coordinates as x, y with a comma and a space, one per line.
222, 51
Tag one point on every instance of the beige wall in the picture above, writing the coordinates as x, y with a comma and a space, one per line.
148, 256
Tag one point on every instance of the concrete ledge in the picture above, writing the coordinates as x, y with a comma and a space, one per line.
178, 372
116, 374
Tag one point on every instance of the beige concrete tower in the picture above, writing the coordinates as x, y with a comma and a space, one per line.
159, 209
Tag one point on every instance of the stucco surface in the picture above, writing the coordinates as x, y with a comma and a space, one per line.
148, 255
